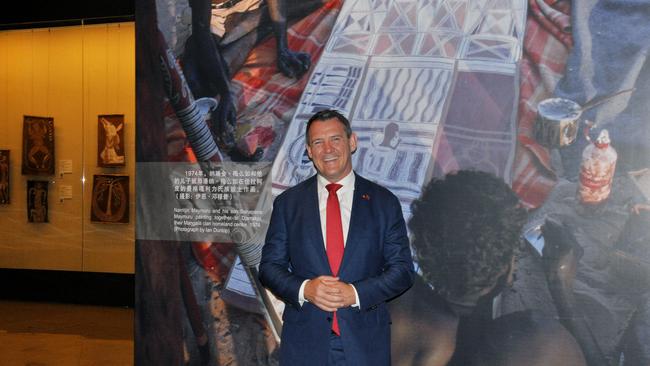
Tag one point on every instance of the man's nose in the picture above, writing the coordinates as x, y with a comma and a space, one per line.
328, 146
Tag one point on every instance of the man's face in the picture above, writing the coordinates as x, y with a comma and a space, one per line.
330, 149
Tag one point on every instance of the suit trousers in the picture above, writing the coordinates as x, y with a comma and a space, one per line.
336, 355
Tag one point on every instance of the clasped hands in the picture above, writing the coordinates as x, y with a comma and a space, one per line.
329, 293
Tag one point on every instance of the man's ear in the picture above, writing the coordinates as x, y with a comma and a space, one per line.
353, 142
308, 151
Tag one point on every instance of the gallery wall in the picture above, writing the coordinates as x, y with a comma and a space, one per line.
71, 74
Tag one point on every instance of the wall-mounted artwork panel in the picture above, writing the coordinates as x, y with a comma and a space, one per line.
5, 168
110, 140
38, 145
37, 192
110, 202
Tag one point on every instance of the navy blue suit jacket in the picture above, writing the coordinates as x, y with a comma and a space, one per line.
376, 260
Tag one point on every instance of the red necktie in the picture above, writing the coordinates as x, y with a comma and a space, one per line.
334, 237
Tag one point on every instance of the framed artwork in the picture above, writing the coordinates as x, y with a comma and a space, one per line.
38, 146
110, 140
110, 199
37, 201
4, 177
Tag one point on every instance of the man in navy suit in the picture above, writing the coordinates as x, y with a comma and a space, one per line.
336, 312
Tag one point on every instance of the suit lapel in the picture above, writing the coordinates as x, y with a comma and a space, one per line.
313, 224
357, 216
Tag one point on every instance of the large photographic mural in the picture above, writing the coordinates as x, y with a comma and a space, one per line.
512, 131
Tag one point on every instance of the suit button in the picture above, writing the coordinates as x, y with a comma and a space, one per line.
329, 319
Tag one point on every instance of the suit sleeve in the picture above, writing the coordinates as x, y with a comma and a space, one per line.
275, 267
397, 274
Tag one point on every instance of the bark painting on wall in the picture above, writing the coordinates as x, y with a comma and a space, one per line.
4, 177
110, 200
110, 140
37, 201
38, 146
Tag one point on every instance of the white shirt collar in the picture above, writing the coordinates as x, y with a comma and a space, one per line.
347, 182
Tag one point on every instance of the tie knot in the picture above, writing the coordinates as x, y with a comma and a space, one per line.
333, 187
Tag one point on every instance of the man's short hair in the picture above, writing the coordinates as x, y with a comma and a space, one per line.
325, 115
466, 229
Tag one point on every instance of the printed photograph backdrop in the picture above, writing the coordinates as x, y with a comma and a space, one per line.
431, 87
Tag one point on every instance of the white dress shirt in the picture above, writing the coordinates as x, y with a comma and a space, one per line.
345, 195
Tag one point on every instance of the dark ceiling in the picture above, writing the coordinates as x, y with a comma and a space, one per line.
49, 13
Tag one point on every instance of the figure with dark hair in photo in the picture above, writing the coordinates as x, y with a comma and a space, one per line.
466, 234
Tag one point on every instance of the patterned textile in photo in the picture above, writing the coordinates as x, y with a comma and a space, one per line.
429, 87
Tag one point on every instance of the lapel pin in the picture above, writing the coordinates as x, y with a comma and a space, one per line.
365, 197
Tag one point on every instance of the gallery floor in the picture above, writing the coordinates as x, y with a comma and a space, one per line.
44, 334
